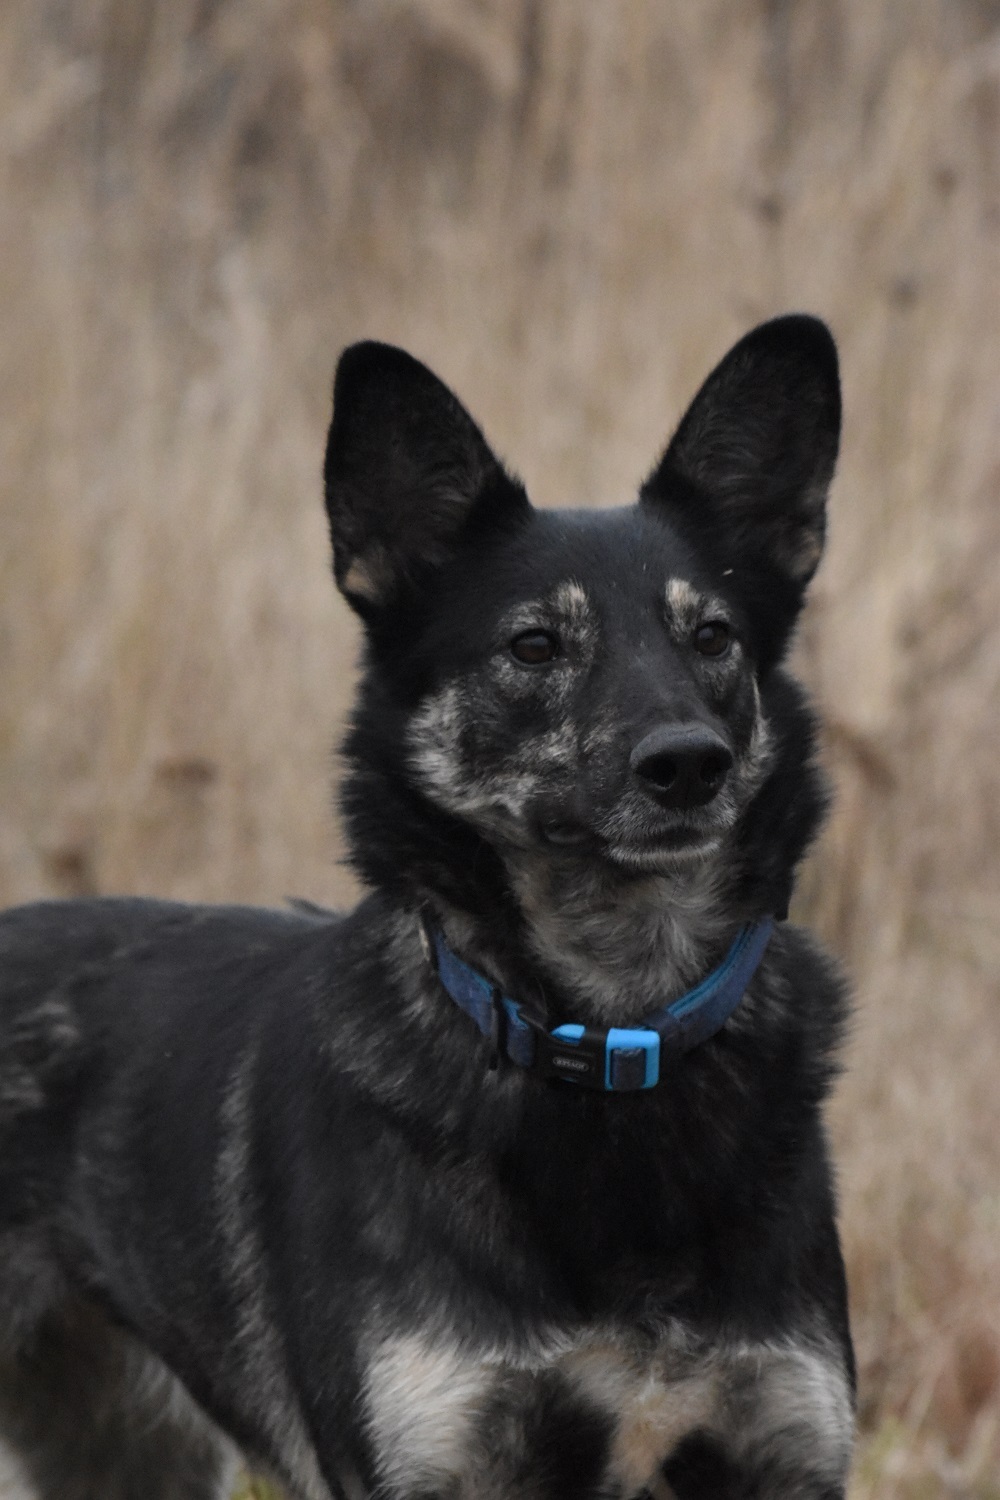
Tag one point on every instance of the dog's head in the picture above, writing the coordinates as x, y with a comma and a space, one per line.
583, 684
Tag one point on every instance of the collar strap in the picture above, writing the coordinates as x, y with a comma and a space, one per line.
619, 1059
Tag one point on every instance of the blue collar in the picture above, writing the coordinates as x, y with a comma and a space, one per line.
619, 1059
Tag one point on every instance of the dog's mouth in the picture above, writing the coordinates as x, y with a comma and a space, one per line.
666, 847
666, 852
567, 835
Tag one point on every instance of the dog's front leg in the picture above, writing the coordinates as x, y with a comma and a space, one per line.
702, 1469
783, 1429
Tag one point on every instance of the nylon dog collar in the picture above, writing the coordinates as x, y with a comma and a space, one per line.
618, 1059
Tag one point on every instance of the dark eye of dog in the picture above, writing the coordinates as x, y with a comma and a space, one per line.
535, 647
712, 638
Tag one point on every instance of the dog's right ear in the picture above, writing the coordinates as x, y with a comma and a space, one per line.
750, 464
405, 467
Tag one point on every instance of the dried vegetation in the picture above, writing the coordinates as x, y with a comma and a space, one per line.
569, 211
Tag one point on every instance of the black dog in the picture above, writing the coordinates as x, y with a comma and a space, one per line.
512, 1182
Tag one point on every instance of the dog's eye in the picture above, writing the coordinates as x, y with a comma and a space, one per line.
535, 647
712, 638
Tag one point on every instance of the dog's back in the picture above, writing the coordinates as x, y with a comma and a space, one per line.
111, 1009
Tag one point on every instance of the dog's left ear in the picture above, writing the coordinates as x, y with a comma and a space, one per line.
406, 467
752, 459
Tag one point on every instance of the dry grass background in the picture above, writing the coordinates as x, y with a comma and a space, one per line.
569, 210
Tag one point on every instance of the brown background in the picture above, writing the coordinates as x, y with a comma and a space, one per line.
570, 210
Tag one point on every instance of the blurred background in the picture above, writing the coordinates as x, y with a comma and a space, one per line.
570, 211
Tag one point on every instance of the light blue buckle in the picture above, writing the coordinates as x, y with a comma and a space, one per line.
624, 1040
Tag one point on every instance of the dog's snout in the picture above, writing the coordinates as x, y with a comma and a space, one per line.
682, 765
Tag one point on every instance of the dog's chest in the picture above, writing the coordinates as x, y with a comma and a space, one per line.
484, 1425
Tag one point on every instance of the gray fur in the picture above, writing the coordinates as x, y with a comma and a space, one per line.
783, 1409
622, 944
257, 1358
93, 1415
261, 1176
37, 1045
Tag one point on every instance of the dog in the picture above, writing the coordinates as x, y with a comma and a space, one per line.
512, 1183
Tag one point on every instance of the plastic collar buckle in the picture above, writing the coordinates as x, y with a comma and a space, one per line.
618, 1061
575, 1053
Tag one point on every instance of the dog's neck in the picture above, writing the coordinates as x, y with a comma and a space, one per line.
610, 947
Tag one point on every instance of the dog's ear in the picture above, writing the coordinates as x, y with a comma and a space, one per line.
405, 468
752, 459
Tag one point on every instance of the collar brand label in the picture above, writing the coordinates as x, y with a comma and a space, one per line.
571, 1064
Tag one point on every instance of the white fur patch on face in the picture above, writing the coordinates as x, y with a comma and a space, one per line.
569, 599
436, 734
683, 599
422, 1400
755, 762
688, 607
569, 613
460, 747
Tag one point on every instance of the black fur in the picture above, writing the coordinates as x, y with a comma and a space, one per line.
264, 1152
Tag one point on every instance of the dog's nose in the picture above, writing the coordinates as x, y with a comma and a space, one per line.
682, 765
